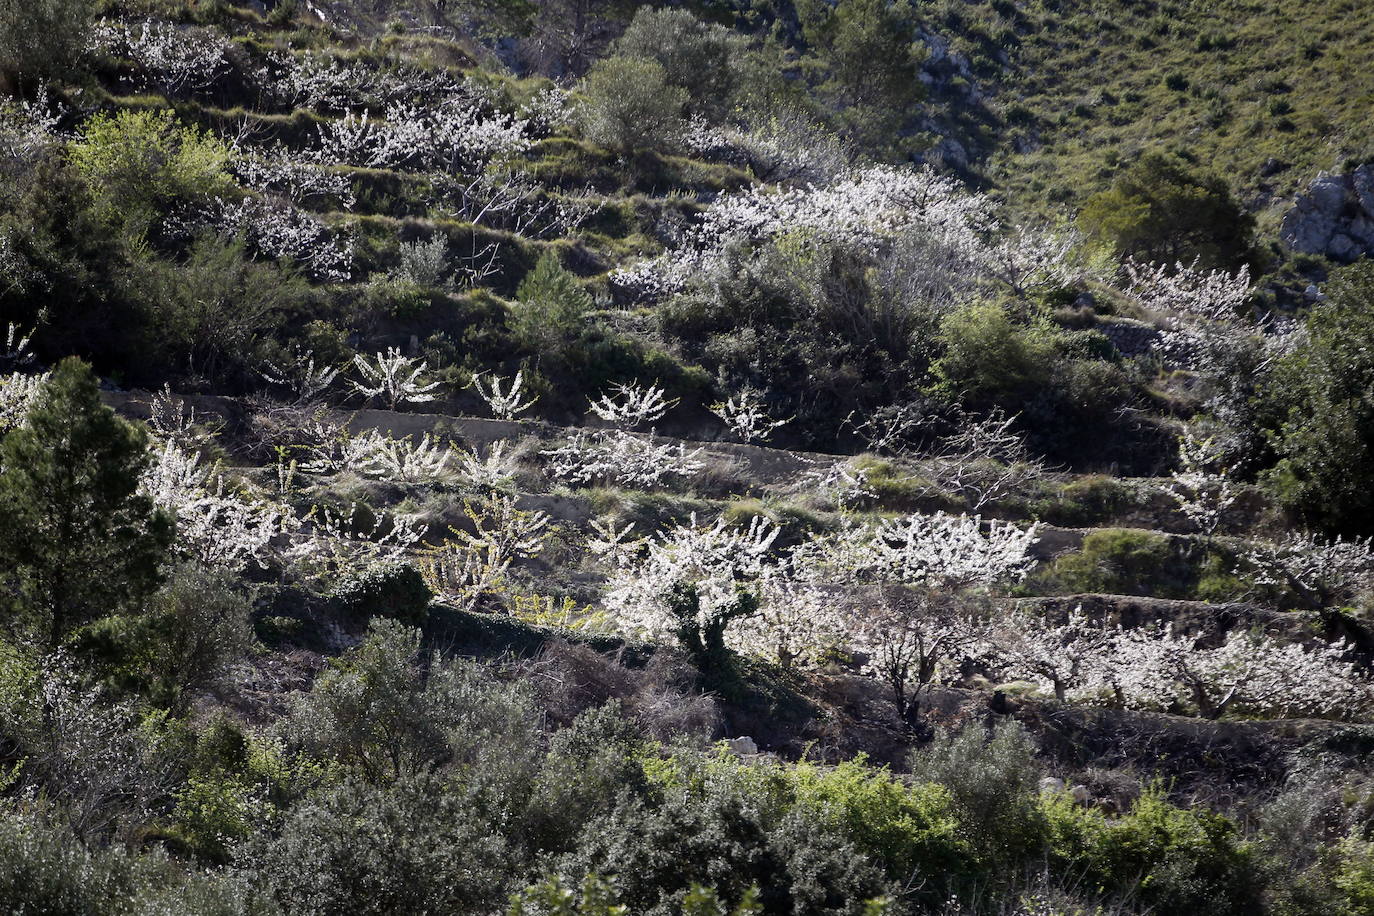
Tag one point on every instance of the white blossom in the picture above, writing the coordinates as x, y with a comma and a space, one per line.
913, 639
1202, 309
395, 378
473, 564
611, 543
274, 228
797, 624
28, 127
299, 374
505, 405
946, 551
632, 404
169, 57
1069, 658
984, 461
1321, 572
715, 560
336, 450
214, 526
276, 171
319, 81
1248, 673
866, 209
745, 416
842, 482
18, 395
407, 461
335, 542
495, 471
174, 421
454, 135
1202, 486
619, 457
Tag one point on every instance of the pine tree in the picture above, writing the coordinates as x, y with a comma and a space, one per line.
77, 540
551, 308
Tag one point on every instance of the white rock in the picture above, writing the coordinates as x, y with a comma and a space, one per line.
1050, 785
743, 746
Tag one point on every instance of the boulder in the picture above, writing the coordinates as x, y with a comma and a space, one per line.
743, 746
1050, 785
1334, 217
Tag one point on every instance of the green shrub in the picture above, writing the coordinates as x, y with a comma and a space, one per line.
395, 297
628, 104
991, 777
1122, 561
696, 56
210, 319
1164, 211
395, 590
1084, 501
138, 163
717, 821
190, 633
1174, 861
868, 62
42, 38
1355, 877
377, 712
44, 869
1318, 415
78, 541
550, 311
910, 830
414, 846
989, 359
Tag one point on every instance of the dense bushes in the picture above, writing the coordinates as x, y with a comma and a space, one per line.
405, 784
1161, 210
139, 163
78, 541
629, 104
416, 845
699, 57
1122, 561
1318, 411
41, 38
1175, 861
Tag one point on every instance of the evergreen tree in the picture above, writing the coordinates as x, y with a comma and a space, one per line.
1162, 211
1320, 410
551, 308
77, 540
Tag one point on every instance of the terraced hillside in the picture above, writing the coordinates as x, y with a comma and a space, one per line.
592, 464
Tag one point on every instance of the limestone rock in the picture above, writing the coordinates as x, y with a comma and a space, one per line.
1335, 217
743, 746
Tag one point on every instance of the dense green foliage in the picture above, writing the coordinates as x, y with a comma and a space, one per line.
77, 539
1161, 211
40, 38
1319, 402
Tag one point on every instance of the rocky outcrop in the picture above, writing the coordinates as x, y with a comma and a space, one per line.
1335, 217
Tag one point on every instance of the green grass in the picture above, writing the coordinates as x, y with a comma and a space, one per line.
1089, 84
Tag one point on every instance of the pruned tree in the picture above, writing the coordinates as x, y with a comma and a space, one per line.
505, 405
913, 640
395, 378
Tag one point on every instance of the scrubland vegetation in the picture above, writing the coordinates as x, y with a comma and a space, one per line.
550, 457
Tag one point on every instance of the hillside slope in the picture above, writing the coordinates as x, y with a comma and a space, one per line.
582, 458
